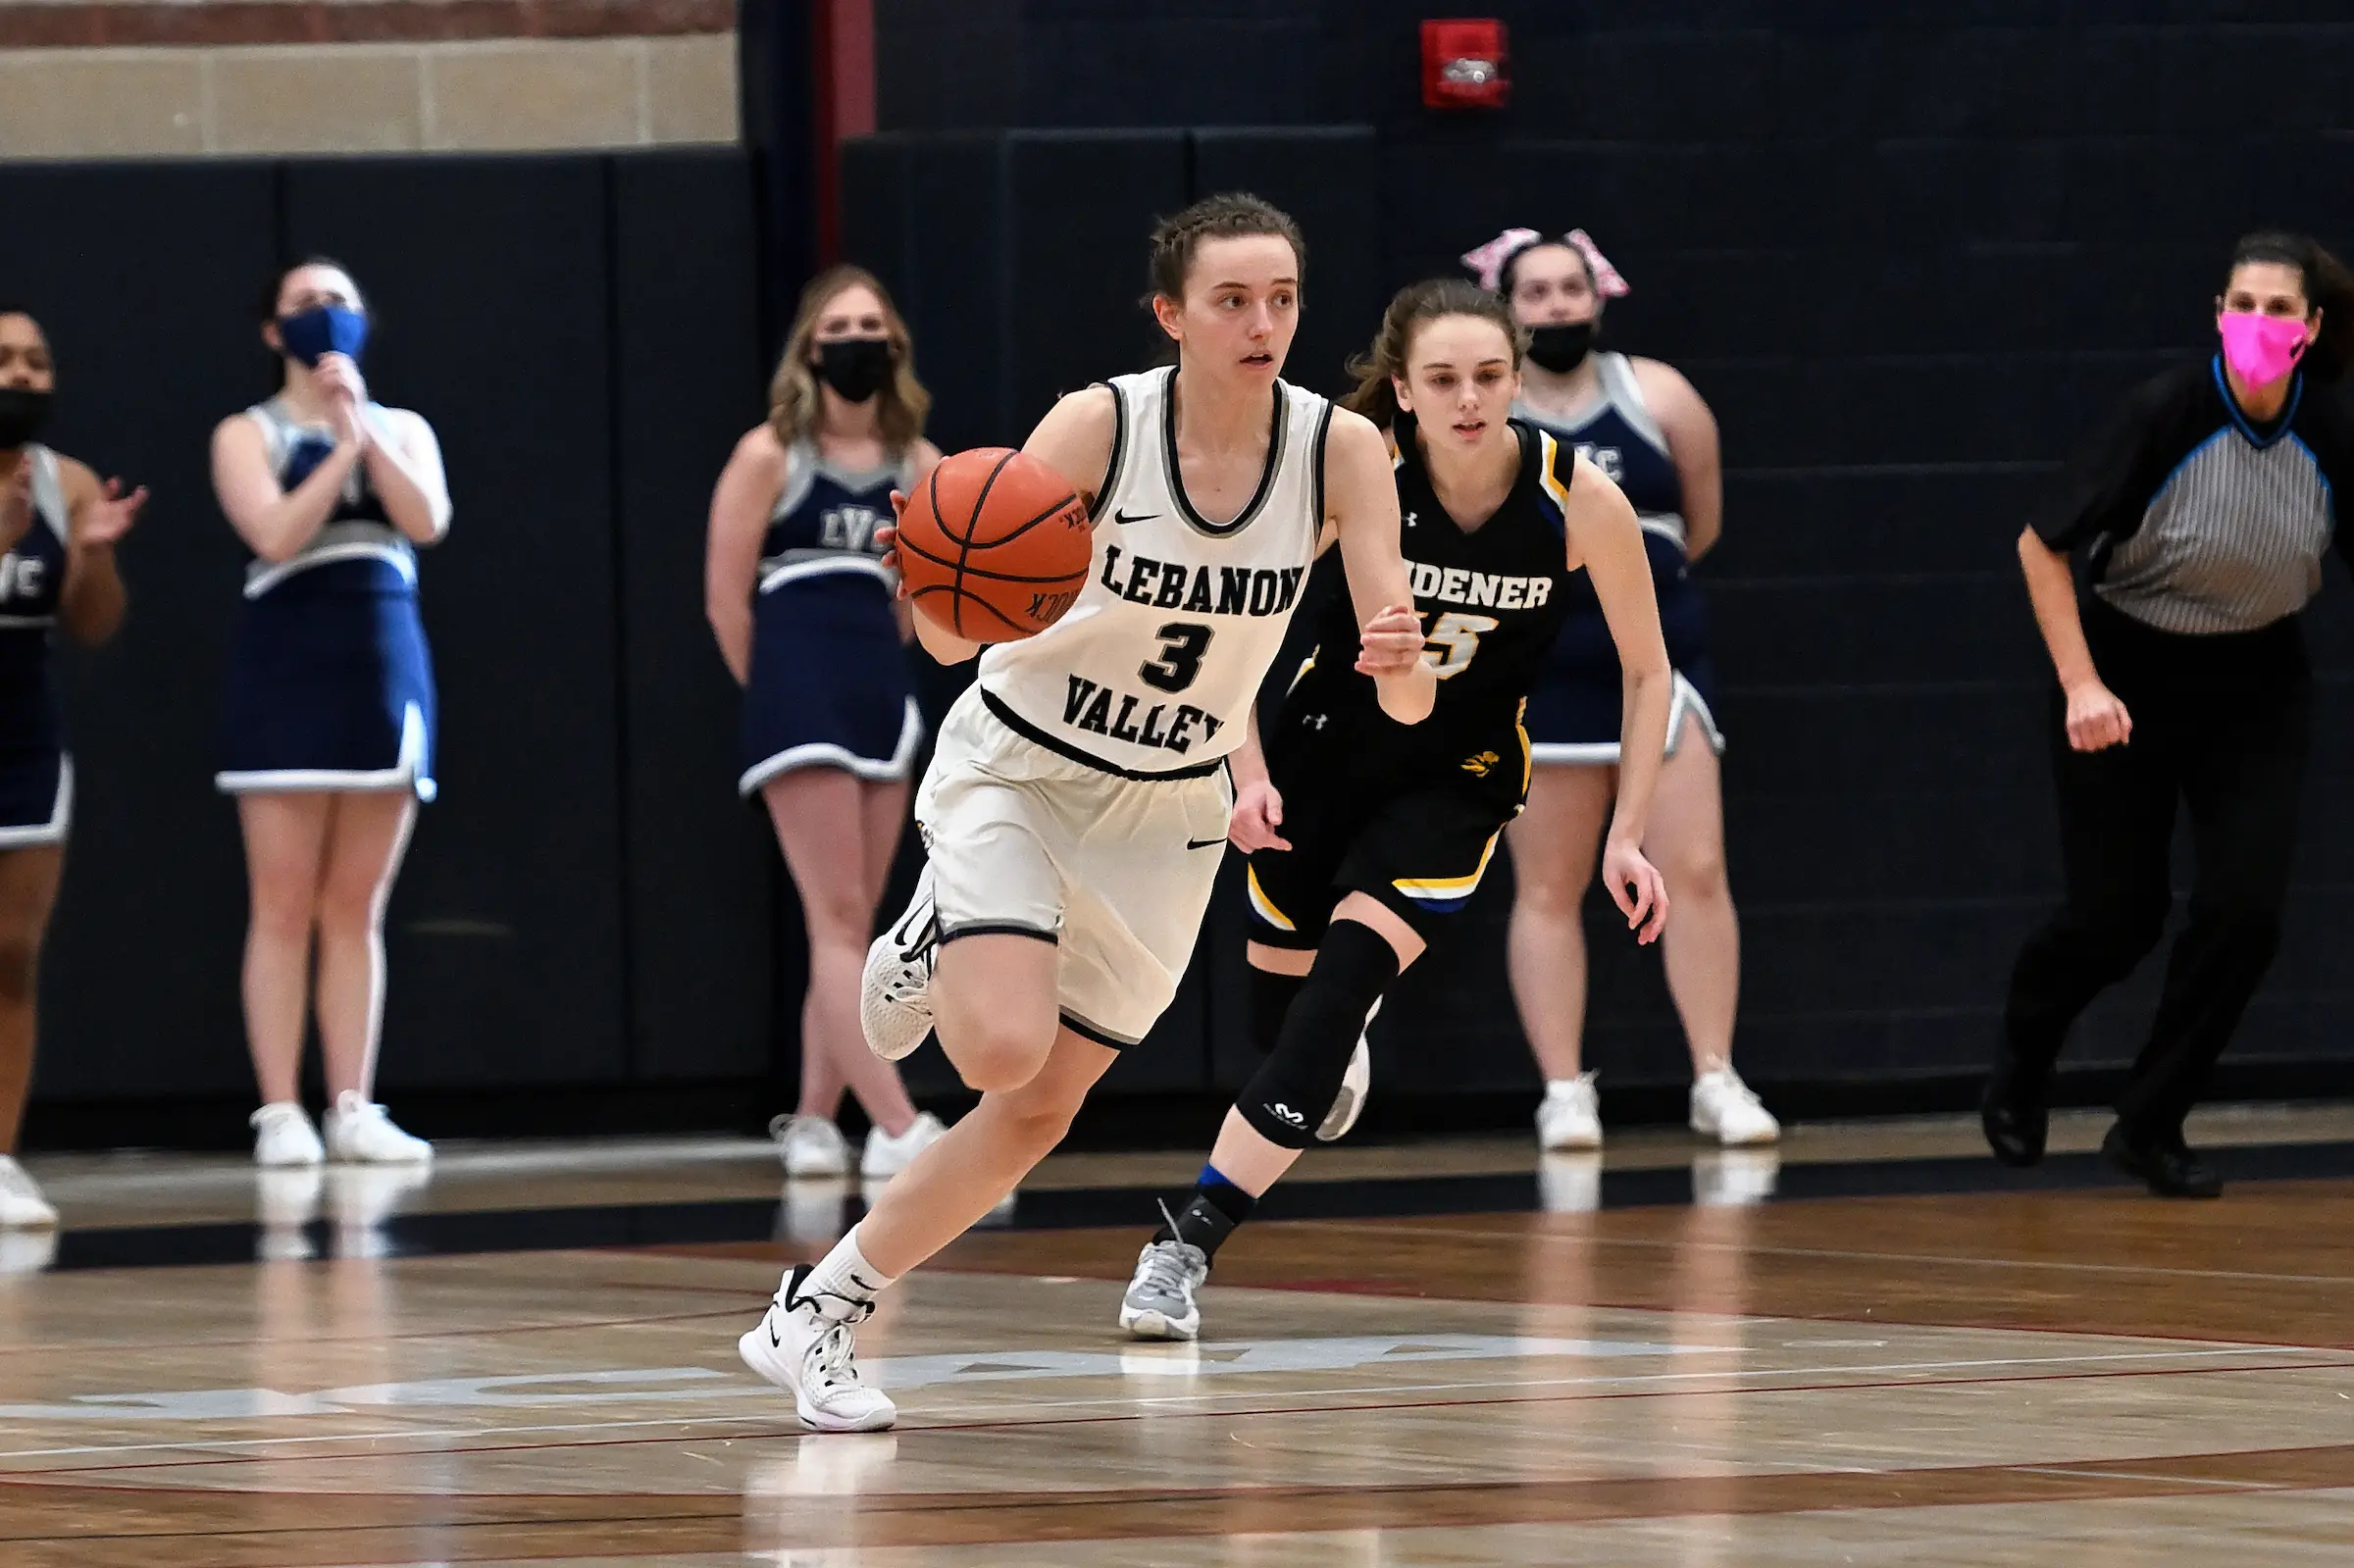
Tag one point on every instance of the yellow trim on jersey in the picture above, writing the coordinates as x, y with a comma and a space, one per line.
1528, 752
1301, 674
1447, 888
1265, 905
1548, 470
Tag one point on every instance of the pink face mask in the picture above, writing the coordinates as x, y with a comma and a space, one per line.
2262, 348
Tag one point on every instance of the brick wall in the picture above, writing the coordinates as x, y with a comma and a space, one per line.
83, 79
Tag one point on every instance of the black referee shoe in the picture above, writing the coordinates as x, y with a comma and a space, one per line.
2013, 1112
2171, 1169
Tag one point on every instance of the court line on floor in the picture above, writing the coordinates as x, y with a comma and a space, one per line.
1712, 1493
1141, 1407
1841, 1255
407, 1336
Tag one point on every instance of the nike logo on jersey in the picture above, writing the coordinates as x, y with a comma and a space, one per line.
1163, 725
1124, 518
1203, 843
1455, 585
1201, 589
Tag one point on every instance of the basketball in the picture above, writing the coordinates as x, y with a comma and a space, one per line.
995, 546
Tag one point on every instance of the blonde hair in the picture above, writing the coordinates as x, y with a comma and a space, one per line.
793, 405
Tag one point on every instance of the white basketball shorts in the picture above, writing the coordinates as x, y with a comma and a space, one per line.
1116, 872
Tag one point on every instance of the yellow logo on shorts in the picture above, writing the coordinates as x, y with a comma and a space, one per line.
1479, 765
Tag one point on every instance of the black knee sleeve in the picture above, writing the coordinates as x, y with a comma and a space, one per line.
1287, 1099
1271, 997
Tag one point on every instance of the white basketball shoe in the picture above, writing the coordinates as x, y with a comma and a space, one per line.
895, 1005
805, 1346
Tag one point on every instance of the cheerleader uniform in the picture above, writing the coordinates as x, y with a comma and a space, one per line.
830, 685
1574, 710
36, 776
330, 684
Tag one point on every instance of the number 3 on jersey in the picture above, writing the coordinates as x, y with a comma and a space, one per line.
1452, 640
1181, 646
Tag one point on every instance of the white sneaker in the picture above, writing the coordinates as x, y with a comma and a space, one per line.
895, 1008
888, 1156
21, 1206
359, 1133
282, 1135
810, 1146
1162, 1302
803, 1345
1357, 1082
1570, 1118
1724, 1109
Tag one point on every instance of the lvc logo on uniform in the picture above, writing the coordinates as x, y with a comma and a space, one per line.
848, 527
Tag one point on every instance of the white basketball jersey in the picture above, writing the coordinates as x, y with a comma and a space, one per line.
1152, 672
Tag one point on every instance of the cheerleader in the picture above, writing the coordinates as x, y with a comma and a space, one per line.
1643, 426
803, 611
331, 708
58, 527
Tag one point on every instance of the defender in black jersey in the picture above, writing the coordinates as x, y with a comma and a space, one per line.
1408, 814
1364, 833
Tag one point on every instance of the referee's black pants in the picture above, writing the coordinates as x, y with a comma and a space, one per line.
2221, 725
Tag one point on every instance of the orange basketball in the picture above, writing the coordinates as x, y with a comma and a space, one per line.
995, 546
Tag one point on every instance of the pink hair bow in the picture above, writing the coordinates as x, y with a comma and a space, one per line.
1488, 262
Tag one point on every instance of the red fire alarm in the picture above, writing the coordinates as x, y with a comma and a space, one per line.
1464, 63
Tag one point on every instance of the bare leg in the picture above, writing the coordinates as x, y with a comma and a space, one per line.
952, 1184
367, 835
820, 819
1703, 945
1554, 843
286, 848
28, 892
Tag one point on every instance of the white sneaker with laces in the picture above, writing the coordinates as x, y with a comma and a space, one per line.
886, 1156
1724, 1109
810, 1146
894, 1009
1162, 1300
282, 1135
805, 1346
21, 1206
359, 1133
1570, 1118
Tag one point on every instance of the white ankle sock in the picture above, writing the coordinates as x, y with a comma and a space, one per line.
844, 1272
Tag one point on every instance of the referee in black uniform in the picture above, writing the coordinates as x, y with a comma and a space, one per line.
2202, 511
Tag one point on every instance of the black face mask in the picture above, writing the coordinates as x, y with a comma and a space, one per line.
858, 368
1560, 349
23, 414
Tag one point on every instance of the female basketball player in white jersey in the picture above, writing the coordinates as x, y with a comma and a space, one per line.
1072, 847
58, 529
801, 606
1641, 423
329, 732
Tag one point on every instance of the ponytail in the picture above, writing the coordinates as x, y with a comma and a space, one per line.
1413, 305
2328, 289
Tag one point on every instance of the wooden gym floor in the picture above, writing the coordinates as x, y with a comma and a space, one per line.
1875, 1348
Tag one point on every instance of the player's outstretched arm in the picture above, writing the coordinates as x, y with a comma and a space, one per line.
1606, 537
1360, 498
